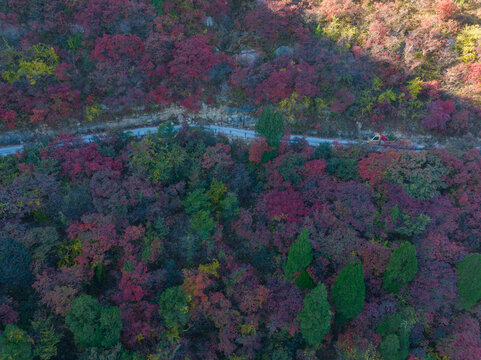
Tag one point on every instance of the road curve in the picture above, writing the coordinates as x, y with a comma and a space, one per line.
229, 131
8, 150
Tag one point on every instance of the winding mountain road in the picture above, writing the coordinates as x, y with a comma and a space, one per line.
229, 131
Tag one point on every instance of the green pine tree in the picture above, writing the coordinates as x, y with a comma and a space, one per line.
271, 126
469, 280
315, 317
401, 269
300, 254
348, 293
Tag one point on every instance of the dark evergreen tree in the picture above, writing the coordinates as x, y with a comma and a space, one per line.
300, 254
469, 280
402, 267
271, 126
348, 292
315, 317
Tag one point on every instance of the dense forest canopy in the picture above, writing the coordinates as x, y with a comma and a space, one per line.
183, 245
409, 66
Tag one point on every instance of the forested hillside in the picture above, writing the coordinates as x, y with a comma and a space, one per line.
408, 66
188, 246
183, 245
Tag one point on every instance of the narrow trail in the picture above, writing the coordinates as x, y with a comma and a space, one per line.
231, 132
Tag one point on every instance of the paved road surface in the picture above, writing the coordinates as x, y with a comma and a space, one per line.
10, 150
229, 131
